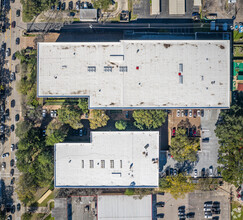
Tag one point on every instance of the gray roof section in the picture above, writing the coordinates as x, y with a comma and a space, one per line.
112, 159
137, 73
88, 15
124, 207
60, 210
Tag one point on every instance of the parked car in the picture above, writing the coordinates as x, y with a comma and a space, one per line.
12, 163
71, 14
194, 113
178, 113
207, 209
186, 112
160, 215
13, 24
190, 215
182, 113
181, 208
43, 113
208, 204
9, 217
77, 5
3, 165
208, 216
3, 119
84, 131
70, 5
63, 6
173, 132
18, 207
12, 76
205, 140
59, 5
17, 41
17, 117
211, 171
13, 209
194, 132
5, 155
7, 113
2, 128
13, 103
159, 204
11, 172
12, 128
13, 56
198, 113
18, 13
12, 147
195, 173
8, 52
216, 204
53, 7
44, 133
81, 132
202, 113
175, 172
190, 113
12, 181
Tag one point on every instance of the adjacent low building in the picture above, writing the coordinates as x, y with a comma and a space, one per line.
137, 74
111, 159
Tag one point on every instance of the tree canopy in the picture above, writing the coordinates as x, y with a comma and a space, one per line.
22, 127
183, 147
98, 118
229, 130
83, 105
71, 116
121, 125
102, 4
178, 186
150, 119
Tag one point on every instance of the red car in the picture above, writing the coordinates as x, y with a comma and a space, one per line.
13, 24
194, 132
173, 132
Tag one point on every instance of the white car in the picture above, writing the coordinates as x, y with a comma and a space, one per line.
198, 113
52, 113
210, 171
5, 155
12, 147
182, 113
195, 173
190, 113
178, 113
43, 113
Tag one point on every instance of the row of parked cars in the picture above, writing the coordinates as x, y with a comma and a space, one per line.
182, 215
210, 209
78, 5
195, 113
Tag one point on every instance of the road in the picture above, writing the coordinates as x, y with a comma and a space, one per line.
9, 37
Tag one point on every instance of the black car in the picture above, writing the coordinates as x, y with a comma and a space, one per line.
13, 56
17, 41
63, 6
181, 209
12, 163
12, 181
216, 204
17, 117
2, 138
71, 14
190, 215
160, 215
18, 207
11, 172
7, 113
13, 209
18, 13
3, 119
59, 6
12, 128
9, 217
13, 103
70, 5
12, 1
13, 25
53, 7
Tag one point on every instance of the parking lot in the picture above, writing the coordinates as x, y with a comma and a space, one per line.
192, 204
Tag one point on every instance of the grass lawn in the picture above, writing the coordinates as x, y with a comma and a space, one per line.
51, 196
37, 216
238, 36
238, 51
49, 217
234, 208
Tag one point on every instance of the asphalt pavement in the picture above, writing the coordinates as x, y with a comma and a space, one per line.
9, 37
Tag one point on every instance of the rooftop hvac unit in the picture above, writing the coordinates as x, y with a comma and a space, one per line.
180, 79
180, 67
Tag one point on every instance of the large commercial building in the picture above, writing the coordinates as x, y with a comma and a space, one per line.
133, 74
111, 159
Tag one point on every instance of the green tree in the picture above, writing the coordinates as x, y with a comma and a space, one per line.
22, 128
26, 216
184, 148
121, 125
102, 4
229, 130
178, 186
56, 137
98, 118
26, 188
70, 115
150, 119
83, 105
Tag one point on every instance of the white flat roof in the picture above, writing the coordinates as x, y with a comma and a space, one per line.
144, 74
176, 7
155, 7
133, 164
124, 207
